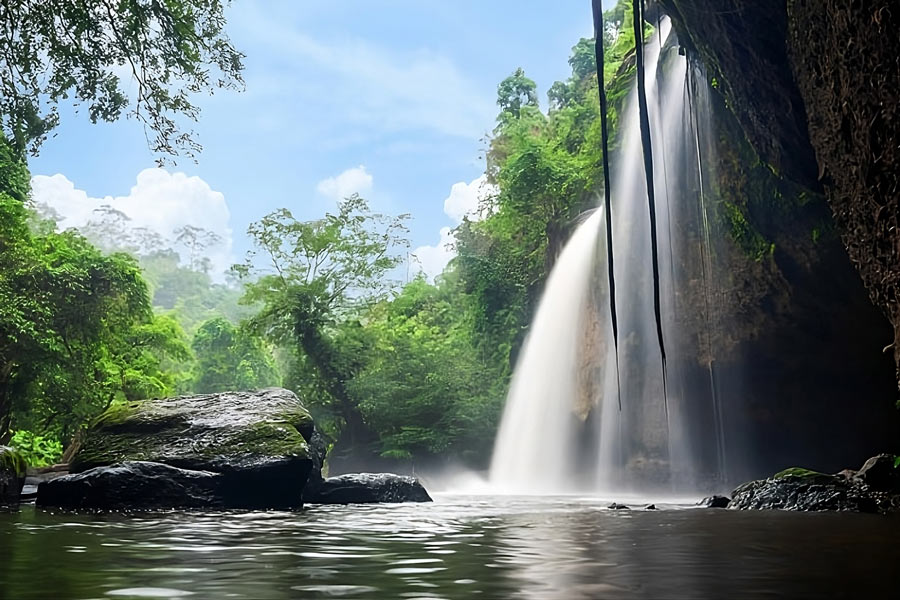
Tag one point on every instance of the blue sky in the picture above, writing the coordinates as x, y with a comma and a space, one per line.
395, 95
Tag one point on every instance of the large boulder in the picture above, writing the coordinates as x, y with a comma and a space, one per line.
12, 475
258, 441
364, 488
134, 485
805, 490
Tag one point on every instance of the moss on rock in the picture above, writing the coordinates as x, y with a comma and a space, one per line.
248, 436
12, 461
12, 475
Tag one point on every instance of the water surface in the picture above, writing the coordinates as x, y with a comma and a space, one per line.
458, 547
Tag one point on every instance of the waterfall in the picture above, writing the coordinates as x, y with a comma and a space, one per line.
547, 442
541, 394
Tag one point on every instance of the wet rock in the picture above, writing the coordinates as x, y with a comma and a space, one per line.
846, 473
363, 488
318, 447
650, 507
12, 475
617, 506
801, 489
715, 502
134, 485
880, 473
258, 441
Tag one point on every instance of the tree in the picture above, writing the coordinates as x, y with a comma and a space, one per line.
76, 328
149, 358
582, 60
424, 388
229, 358
196, 240
56, 49
515, 92
317, 275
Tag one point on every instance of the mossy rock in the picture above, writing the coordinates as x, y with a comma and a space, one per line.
258, 440
799, 472
12, 461
12, 475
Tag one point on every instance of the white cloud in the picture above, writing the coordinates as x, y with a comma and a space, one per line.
356, 180
464, 201
433, 259
465, 198
159, 201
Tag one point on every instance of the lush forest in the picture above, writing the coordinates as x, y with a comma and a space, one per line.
407, 371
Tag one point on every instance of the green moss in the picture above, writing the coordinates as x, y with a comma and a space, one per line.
747, 237
203, 432
799, 472
264, 439
11, 460
117, 414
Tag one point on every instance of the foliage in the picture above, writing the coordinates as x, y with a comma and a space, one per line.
409, 372
424, 389
38, 451
76, 327
319, 274
184, 287
516, 92
54, 50
228, 358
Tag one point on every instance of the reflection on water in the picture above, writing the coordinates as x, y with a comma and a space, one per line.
458, 547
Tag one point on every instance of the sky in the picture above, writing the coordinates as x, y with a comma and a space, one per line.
389, 99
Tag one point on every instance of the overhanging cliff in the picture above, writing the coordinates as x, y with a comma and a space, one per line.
815, 85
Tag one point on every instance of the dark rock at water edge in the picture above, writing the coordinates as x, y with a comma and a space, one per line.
881, 473
12, 475
715, 502
364, 488
617, 506
869, 490
260, 442
318, 448
135, 485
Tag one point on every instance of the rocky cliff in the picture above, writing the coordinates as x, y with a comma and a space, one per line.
815, 85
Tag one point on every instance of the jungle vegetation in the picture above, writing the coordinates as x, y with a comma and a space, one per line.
396, 369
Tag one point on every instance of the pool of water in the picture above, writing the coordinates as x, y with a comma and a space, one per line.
458, 547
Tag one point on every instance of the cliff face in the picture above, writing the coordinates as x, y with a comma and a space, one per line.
815, 85
771, 325
846, 62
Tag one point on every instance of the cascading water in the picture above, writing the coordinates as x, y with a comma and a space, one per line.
544, 382
546, 432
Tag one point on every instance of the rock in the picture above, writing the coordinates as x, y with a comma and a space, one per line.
12, 475
846, 473
880, 473
715, 502
805, 490
258, 441
617, 506
362, 488
134, 485
317, 450
650, 507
